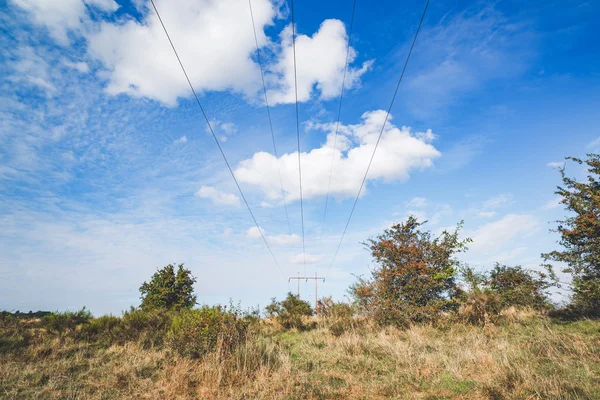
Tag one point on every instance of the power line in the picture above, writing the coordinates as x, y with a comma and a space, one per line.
380, 134
262, 76
298, 135
337, 124
215, 136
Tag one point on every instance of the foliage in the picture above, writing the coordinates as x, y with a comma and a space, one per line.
104, 329
147, 327
488, 293
14, 335
61, 322
289, 312
480, 307
338, 317
580, 235
169, 289
519, 287
414, 277
194, 333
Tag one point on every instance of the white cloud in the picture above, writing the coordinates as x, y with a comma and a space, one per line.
284, 239
58, 16
62, 16
104, 5
594, 144
399, 152
551, 204
486, 214
300, 258
418, 202
141, 62
495, 234
280, 240
222, 129
498, 201
79, 66
32, 69
556, 164
215, 42
218, 197
182, 139
320, 61
255, 232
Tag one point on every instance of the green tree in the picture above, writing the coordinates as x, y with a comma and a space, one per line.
580, 235
414, 278
290, 311
169, 289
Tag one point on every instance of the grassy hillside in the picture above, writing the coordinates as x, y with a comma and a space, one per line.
523, 356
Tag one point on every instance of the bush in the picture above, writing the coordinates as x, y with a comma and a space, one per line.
61, 322
481, 308
194, 333
519, 287
338, 317
414, 277
147, 327
290, 312
14, 335
104, 329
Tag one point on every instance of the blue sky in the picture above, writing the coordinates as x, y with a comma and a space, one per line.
108, 171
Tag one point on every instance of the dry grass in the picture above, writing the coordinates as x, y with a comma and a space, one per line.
528, 357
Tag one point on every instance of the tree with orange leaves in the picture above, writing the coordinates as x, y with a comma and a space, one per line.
415, 275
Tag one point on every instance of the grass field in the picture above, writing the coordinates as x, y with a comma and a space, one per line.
526, 357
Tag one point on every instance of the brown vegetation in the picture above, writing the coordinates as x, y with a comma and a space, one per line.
524, 355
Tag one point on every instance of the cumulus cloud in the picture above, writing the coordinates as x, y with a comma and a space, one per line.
215, 42
399, 152
320, 61
218, 197
300, 258
556, 164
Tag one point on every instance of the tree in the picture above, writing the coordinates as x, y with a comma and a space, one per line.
414, 277
290, 311
169, 289
580, 235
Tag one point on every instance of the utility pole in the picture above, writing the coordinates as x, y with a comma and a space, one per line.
316, 278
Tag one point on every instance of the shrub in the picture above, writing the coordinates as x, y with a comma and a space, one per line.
194, 333
104, 329
147, 327
338, 317
414, 277
14, 335
61, 322
290, 312
519, 287
481, 308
